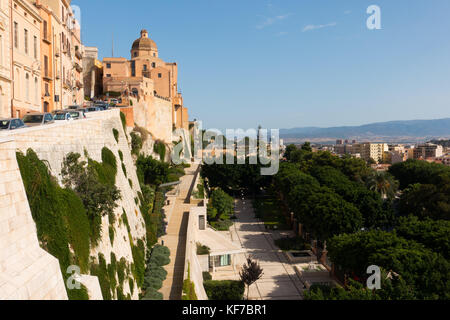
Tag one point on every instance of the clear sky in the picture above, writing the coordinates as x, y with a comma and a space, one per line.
290, 63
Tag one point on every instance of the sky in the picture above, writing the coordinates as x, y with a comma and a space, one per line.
289, 63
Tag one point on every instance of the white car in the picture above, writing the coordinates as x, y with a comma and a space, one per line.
62, 117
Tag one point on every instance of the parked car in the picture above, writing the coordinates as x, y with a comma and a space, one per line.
62, 117
38, 119
78, 114
114, 101
11, 124
73, 107
92, 109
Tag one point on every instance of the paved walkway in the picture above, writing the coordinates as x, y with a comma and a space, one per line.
279, 281
175, 239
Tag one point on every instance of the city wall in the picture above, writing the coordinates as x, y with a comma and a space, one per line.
22, 263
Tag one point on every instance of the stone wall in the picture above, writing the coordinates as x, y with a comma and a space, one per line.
26, 270
52, 143
192, 260
155, 116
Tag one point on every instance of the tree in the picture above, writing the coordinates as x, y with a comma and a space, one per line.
222, 203
427, 272
307, 147
383, 183
432, 234
250, 273
326, 214
426, 201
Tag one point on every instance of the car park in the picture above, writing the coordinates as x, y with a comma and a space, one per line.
11, 124
38, 119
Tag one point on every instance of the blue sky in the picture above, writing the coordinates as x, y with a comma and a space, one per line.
290, 63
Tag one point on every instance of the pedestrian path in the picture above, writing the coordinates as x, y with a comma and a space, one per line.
175, 239
279, 281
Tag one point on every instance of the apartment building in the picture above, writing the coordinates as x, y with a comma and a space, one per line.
428, 150
5, 59
26, 58
367, 150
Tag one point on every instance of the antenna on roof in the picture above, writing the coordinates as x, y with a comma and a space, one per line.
112, 48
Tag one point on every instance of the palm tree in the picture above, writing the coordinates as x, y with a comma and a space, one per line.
383, 183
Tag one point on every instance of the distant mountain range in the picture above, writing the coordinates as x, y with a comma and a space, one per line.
392, 131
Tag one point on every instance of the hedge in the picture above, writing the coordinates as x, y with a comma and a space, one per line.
224, 290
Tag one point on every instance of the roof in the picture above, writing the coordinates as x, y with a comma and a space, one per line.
144, 43
218, 243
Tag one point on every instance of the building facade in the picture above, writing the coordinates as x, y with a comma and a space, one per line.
375, 151
5, 59
428, 150
146, 77
92, 73
26, 58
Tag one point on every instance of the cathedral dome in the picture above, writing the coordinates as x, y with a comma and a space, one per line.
144, 42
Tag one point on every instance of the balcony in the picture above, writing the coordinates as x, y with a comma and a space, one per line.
77, 67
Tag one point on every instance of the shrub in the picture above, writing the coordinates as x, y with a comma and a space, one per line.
116, 134
136, 143
296, 243
111, 235
207, 276
59, 215
94, 183
123, 118
152, 294
202, 250
160, 149
160, 259
153, 282
124, 169
139, 262
189, 287
224, 290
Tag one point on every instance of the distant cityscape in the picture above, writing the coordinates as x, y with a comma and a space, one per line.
382, 155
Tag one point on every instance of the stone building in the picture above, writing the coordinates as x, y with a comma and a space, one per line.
26, 58
67, 53
5, 59
148, 78
47, 92
92, 73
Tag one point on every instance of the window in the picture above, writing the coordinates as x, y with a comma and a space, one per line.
46, 90
45, 30
27, 87
26, 40
46, 66
135, 54
108, 76
36, 96
35, 47
145, 67
1, 50
16, 35
159, 75
108, 66
153, 65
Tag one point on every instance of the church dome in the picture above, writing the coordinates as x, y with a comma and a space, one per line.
144, 42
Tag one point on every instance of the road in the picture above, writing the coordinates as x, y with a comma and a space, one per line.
279, 281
